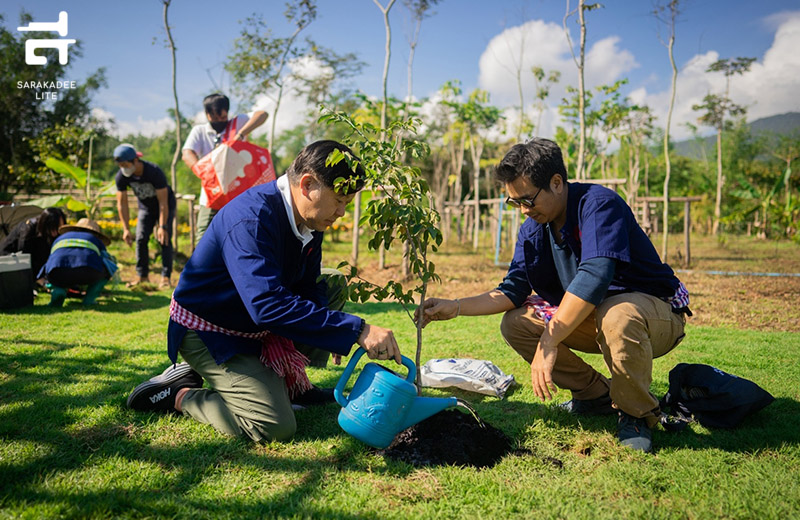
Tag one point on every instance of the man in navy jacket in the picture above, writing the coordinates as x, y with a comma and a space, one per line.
250, 290
600, 288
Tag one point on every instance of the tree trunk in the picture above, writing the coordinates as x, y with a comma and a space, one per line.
387, 57
720, 182
665, 216
476, 152
356, 218
178, 139
582, 95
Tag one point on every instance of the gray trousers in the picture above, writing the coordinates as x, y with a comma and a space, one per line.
244, 397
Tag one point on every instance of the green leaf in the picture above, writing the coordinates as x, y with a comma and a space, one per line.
76, 205
67, 169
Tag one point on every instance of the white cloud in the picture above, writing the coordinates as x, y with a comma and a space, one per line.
770, 86
294, 108
121, 129
543, 44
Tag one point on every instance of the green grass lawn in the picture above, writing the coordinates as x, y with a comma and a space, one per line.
70, 449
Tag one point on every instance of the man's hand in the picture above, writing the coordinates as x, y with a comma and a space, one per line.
127, 237
437, 309
162, 236
379, 343
240, 137
542, 371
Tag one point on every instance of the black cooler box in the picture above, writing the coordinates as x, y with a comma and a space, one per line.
16, 281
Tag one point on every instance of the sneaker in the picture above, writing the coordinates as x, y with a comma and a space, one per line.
314, 397
598, 406
634, 433
158, 393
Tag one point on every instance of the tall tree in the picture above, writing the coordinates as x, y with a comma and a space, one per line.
717, 110
386, 59
259, 61
579, 62
384, 107
419, 9
668, 14
178, 139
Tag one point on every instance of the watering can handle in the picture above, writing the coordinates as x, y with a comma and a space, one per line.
338, 392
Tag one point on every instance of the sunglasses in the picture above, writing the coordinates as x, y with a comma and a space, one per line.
528, 202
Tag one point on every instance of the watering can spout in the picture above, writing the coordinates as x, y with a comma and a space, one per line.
424, 407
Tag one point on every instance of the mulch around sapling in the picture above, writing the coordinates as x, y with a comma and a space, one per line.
453, 438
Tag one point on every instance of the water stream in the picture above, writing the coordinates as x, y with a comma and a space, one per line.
465, 404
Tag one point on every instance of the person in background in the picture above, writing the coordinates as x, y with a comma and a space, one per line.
249, 292
34, 237
205, 137
156, 210
79, 258
600, 288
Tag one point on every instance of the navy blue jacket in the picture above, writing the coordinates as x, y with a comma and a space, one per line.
251, 273
599, 224
71, 257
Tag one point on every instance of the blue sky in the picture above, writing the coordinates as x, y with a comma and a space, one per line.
468, 40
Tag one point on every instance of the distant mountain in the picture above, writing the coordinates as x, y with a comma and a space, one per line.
780, 124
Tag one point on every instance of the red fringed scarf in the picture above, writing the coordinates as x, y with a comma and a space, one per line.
277, 352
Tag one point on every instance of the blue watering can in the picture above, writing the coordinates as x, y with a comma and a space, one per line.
381, 403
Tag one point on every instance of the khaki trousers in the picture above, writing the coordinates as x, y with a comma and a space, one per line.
246, 397
629, 330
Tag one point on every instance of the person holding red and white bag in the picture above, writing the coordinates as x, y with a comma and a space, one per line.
205, 137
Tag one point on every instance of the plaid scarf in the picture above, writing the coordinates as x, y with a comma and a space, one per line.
544, 311
277, 352
540, 307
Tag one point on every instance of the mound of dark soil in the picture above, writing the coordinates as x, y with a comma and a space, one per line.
450, 438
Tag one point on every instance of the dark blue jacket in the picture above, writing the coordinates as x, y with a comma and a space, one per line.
599, 224
250, 273
70, 257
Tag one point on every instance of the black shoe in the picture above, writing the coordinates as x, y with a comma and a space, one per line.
598, 406
314, 397
158, 393
634, 433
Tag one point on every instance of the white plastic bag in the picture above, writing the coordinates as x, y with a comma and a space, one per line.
474, 375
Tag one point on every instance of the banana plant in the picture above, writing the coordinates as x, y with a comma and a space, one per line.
94, 189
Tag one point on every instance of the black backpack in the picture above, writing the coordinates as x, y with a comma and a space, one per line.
710, 396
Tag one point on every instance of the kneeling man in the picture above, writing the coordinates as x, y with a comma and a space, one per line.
250, 291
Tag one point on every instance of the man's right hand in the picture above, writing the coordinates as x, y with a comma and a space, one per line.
127, 237
437, 309
379, 343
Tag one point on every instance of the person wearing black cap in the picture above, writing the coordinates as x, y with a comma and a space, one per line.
156, 206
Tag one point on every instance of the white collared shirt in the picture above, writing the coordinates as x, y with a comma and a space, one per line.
302, 233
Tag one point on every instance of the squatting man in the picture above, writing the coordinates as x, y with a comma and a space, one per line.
600, 287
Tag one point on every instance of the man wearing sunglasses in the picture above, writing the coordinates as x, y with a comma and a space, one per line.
600, 287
